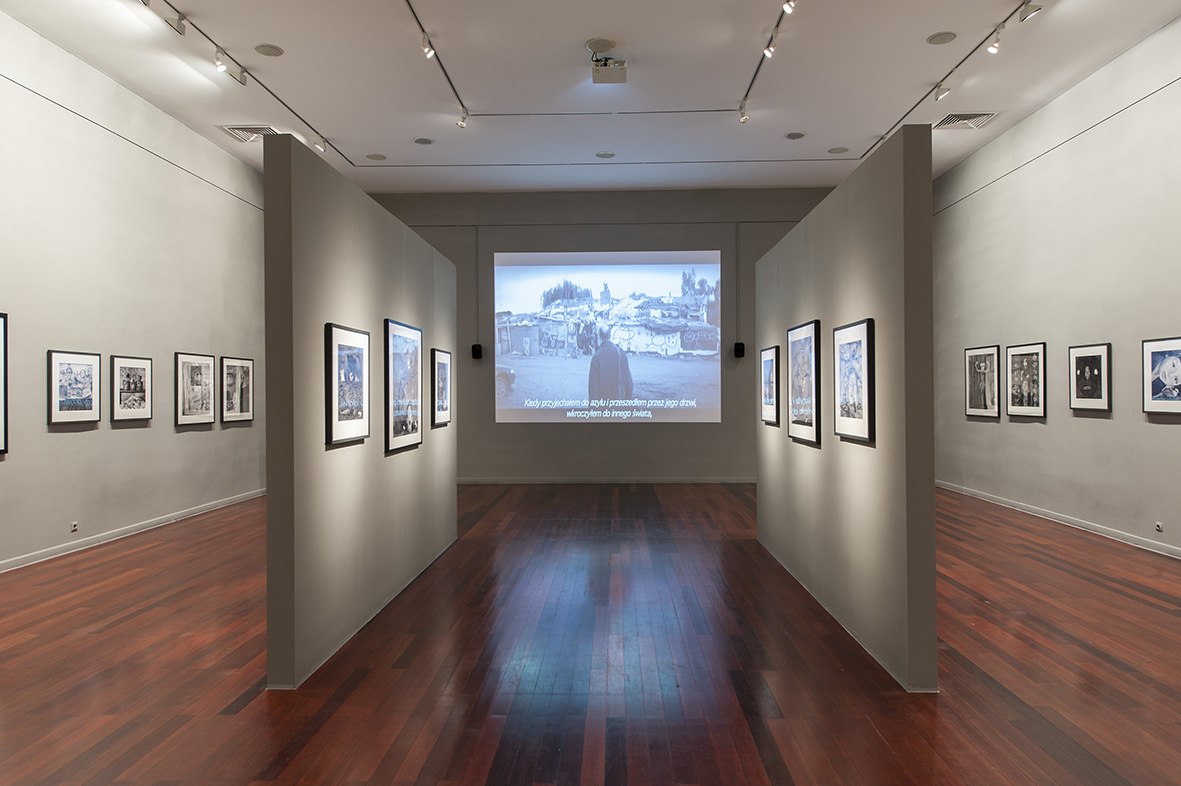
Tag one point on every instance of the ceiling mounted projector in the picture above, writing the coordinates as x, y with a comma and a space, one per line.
605, 70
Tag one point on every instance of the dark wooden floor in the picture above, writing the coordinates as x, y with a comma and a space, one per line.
595, 634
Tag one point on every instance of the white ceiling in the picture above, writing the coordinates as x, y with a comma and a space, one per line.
846, 73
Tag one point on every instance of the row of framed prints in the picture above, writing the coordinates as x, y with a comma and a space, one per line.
75, 390
1088, 375
853, 382
347, 376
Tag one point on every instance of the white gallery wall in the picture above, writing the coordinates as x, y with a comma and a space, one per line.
348, 526
1064, 230
121, 232
854, 521
471, 228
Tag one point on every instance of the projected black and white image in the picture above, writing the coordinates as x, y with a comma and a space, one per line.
769, 390
194, 389
131, 388
1090, 386
403, 385
619, 336
73, 387
853, 368
237, 389
982, 386
803, 375
347, 377
1026, 380
1162, 375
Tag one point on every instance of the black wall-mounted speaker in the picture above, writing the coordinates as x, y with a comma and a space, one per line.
739, 350
477, 352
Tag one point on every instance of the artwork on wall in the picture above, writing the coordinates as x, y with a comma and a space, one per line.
3, 383
853, 380
131, 388
237, 389
74, 395
403, 385
1090, 377
194, 389
770, 386
1162, 375
441, 385
1026, 380
347, 375
803, 382
982, 381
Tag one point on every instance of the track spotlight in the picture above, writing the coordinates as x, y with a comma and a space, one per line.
462, 121
770, 50
174, 18
941, 91
321, 144
995, 46
789, 6
742, 116
427, 49
220, 60
1029, 10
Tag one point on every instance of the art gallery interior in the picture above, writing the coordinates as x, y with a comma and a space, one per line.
133, 223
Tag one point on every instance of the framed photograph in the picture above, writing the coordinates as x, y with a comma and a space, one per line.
403, 386
441, 384
347, 378
770, 386
803, 382
1026, 380
1090, 377
74, 395
237, 389
1162, 375
131, 388
982, 381
3, 383
194, 389
853, 380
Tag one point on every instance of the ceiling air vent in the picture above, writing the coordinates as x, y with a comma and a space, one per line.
970, 120
248, 133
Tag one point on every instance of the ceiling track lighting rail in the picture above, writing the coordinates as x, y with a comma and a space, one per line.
768, 52
431, 53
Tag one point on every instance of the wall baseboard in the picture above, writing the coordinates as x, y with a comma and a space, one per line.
1090, 526
594, 481
106, 537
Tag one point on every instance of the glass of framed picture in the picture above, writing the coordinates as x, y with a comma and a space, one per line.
982, 381
1025, 380
403, 385
237, 389
441, 384
1090, 377
1162, 375
194, 389
803, 382
347, 377
131, 388
74, 395
770, 385
3, 383
853, 380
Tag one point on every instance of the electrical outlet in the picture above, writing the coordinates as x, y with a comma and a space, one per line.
1160, 527
73, 526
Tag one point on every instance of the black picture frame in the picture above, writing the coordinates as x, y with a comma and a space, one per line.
131, 388
74, 387
982, 381
236, 383
854, 374
441, 387
769, 385
195, 388
346, 380
1025, 380
802, 382
3, 383
1161, 364
1089, 377
403, 386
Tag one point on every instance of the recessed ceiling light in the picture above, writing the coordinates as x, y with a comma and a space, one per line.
605, 154
375, 157
946, 37
836, 151
423, 140
794, 135
269, 50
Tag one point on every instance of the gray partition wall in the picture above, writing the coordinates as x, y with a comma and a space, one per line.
471, 228
854, 521
348, 527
